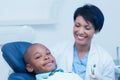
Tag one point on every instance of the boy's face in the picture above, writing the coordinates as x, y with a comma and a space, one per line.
41, 60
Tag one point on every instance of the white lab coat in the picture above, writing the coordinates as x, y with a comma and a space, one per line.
97, 56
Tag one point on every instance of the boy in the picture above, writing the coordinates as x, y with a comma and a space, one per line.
39, 60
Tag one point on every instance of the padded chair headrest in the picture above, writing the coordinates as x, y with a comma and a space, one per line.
21, 76
13, 53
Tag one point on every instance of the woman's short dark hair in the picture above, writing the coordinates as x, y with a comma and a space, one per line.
92, 14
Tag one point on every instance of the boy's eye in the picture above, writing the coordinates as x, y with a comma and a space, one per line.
38, 56
48, 53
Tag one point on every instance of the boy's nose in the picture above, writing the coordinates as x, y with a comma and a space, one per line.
46, 57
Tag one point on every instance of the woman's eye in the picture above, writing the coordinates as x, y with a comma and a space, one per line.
87, 28
76, 25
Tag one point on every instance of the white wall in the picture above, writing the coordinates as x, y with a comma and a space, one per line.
60, 28
61, 14
12, 10
108, 37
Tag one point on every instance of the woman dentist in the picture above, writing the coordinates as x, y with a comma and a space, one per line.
82, 56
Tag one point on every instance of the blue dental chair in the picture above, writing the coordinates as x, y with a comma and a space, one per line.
13, 54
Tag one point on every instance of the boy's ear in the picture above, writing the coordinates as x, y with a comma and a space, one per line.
29, 68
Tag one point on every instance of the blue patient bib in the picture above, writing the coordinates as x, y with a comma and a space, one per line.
46, 75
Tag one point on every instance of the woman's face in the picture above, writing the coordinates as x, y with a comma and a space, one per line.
83, 31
